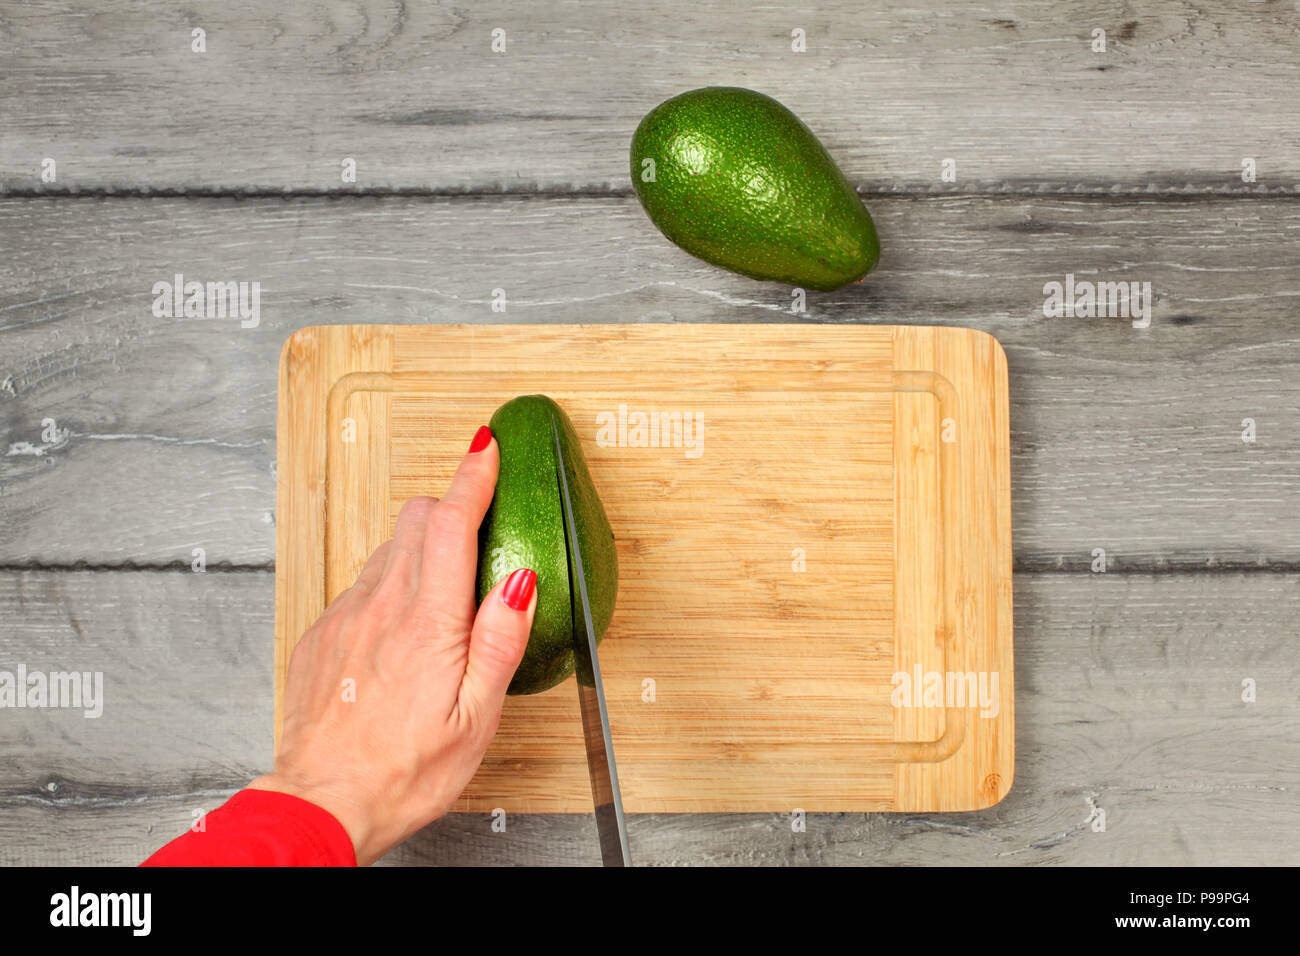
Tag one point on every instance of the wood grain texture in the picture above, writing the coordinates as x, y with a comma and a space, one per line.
413, 92
1128, 700
187, 665
1122, 438
773, 683
1188, 826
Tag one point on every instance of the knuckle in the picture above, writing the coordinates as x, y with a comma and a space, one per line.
390, 597
416, 508
451, 519
434, 619
498, 647
386, 598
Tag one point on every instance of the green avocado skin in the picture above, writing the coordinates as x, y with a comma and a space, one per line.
524, 528
741, 183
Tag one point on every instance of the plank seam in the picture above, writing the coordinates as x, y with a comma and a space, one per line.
1114, 192
165, 567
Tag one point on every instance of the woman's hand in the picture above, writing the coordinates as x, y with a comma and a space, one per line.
394, 694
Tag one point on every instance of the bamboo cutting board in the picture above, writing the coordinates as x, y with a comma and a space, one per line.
825, 539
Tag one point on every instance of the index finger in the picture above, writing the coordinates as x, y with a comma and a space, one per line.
450, 563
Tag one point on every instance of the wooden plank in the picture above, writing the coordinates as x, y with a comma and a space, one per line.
1013, 93
186, 661
752, 675
1128, 701
1146, 826
1123, 439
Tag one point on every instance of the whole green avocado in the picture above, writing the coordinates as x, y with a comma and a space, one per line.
738, 181
524, 528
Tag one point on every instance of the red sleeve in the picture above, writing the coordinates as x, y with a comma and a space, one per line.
261, 828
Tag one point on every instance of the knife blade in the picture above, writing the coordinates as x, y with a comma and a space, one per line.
611, 825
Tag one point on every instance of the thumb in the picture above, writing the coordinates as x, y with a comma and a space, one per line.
497, 643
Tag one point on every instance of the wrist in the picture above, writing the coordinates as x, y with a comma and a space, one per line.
347, 810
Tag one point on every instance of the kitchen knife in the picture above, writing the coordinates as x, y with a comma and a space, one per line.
611, 825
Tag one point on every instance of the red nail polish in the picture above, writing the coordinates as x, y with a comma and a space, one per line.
481, 439
519, 589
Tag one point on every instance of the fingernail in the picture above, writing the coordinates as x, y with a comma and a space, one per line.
482, 438
519, 589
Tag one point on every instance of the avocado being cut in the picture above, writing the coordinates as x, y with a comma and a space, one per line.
738, 181
524, 528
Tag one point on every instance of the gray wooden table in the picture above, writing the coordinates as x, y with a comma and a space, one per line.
133, 148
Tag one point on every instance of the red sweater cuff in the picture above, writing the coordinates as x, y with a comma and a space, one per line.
261, 828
